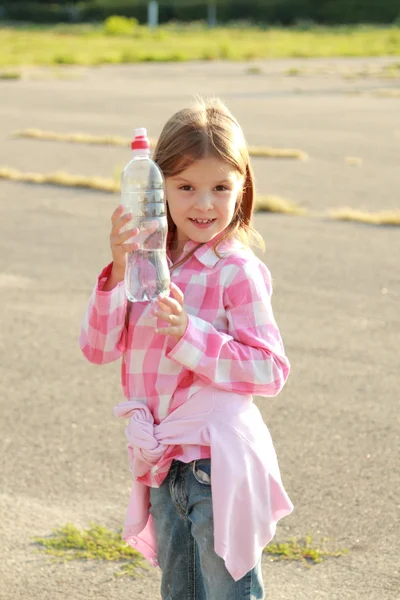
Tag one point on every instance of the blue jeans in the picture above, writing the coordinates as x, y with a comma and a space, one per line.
183, 519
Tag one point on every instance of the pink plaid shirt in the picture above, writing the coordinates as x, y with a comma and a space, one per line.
184, 399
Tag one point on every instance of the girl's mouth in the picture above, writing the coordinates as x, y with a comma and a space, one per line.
202, 223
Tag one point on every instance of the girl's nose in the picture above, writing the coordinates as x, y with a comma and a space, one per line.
204, 202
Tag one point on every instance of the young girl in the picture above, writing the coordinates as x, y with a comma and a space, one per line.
206, 492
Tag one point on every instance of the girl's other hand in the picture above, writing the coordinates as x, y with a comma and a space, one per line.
119, 237
171, 310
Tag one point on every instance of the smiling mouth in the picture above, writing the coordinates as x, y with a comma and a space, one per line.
202, 221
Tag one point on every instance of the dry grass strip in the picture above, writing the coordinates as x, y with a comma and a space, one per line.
266, 152
62, 179
112, 140
273, 204
74, 138
387, 93
276, 204
385, 217
354, 161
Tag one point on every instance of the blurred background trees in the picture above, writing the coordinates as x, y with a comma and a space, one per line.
268, 12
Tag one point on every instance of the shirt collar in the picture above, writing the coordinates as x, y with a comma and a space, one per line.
206, 254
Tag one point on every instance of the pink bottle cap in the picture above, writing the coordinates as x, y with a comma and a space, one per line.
141, 141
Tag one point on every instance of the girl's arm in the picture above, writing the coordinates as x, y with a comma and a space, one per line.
250, 358
103, 333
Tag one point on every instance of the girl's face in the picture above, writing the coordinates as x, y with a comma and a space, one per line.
202, 199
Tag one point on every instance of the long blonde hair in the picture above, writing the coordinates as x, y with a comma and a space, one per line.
209, 129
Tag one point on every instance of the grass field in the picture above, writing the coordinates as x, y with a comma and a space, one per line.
97, 44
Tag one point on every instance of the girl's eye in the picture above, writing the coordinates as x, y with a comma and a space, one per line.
186, 188
221, 188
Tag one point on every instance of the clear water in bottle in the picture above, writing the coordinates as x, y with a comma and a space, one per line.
143, 195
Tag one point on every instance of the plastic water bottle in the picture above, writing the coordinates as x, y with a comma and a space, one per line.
143, 195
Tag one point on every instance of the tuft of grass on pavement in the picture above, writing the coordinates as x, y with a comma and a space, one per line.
113, 140
9, 75
254, 70
354, 161
293, 72
276, 204
390, 70
94, 543
303, 551
384, 217
387, 93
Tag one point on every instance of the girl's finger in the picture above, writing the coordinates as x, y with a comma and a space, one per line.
171, 304
126, 235
121, 241
118, 239
162, 331
167, 330
177, 293
130, 247
121, 224
163, 307
117, 214
166, 317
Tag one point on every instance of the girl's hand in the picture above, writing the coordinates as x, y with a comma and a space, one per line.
171, 310
123, 241
119, 237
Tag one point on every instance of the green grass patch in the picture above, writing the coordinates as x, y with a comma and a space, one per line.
69, 543
95, 543
113, 140
129, 42
384, 217
303, 551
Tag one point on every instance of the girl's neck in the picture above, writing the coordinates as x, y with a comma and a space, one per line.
175, 250
176, 247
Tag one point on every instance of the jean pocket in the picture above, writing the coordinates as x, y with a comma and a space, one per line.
202, 471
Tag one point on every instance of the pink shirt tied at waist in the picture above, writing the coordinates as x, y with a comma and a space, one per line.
247, 491
193, 398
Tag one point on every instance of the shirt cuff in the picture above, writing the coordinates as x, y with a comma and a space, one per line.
186, 351
200, 343
108, 299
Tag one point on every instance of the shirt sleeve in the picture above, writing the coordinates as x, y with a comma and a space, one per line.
103, 334
250, 357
